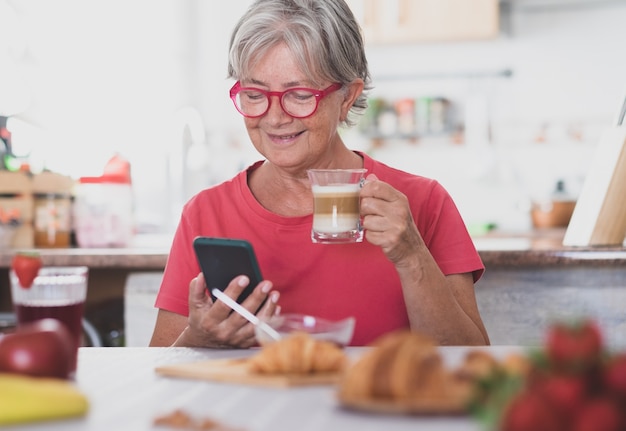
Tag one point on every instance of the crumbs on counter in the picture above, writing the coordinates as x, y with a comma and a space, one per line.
178, 419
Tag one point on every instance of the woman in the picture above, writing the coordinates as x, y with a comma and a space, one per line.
417, 266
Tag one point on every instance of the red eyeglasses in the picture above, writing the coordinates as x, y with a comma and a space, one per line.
297, 102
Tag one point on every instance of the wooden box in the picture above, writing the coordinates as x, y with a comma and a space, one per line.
16, 195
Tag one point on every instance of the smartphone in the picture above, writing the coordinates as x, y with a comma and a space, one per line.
222, 259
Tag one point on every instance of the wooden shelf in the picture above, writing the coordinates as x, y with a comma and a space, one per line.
16, 194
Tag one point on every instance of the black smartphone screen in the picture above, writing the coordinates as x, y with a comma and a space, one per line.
222, 259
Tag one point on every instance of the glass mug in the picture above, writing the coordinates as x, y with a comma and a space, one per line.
336, 212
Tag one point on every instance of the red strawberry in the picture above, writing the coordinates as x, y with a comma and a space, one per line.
566, 393
528, 411
601, 414
614, 375
574, 346
26, 266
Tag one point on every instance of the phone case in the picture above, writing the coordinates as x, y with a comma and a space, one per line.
222, 259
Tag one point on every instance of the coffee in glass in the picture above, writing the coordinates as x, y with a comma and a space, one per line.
336, 213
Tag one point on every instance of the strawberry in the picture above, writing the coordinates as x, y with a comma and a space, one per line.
601, 414
614, 375
26, 266
528, 411
565, 393
574, 346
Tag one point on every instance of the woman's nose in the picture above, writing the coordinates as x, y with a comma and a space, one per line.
276, 112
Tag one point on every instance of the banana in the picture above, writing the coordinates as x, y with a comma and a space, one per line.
30, 399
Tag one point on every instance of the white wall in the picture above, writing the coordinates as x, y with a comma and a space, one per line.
568, 81
118, 76
104, 77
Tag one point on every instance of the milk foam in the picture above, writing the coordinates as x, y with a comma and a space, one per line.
336, 189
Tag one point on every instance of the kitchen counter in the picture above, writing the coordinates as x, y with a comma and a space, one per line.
541, 247
109, 271
120, 258
530, 279
544, 248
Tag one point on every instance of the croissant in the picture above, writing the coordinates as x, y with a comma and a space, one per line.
407, 368
478, 364
299, 353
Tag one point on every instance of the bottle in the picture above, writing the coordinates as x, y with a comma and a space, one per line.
103, 211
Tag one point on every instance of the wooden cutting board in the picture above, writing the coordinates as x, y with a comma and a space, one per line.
236, 371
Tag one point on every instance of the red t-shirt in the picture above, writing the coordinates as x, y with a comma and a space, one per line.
332, 281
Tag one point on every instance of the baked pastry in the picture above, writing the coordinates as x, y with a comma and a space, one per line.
478, 364
298, 353
403, 371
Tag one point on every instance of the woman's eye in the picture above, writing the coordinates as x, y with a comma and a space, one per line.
254, 96
301, 96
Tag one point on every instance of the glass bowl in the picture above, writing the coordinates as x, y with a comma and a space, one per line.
336, 331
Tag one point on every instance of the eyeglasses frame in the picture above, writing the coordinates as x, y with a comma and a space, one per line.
318, 94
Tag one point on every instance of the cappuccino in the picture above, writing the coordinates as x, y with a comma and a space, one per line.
336, 208
336, 205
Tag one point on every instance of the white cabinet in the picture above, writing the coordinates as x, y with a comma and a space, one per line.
393, 21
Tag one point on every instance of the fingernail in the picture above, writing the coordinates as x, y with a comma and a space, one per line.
274, 296
266, 287
277, 311
243, 281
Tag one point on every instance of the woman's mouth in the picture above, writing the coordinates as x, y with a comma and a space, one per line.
285, 138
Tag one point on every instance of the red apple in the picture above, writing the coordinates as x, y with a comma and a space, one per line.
43, 348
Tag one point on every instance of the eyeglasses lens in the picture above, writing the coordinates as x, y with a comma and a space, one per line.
297, 103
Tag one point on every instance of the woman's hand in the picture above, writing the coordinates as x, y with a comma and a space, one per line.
388, 222
214, 325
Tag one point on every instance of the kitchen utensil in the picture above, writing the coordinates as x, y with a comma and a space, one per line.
622, 114
599, 218
258, 323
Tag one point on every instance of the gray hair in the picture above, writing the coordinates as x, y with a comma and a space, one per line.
323, 35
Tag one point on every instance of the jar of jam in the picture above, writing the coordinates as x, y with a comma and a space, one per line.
52, 210
52, 220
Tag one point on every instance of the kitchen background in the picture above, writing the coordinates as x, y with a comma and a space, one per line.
507, 118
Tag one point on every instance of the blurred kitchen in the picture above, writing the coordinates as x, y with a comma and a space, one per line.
503, 102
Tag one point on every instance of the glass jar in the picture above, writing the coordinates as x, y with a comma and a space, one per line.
52, 220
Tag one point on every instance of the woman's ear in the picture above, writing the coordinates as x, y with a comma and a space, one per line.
353, 90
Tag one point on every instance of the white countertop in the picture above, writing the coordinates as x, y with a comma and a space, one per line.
125, 393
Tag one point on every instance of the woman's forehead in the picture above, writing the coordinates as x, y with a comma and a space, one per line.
279, 63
